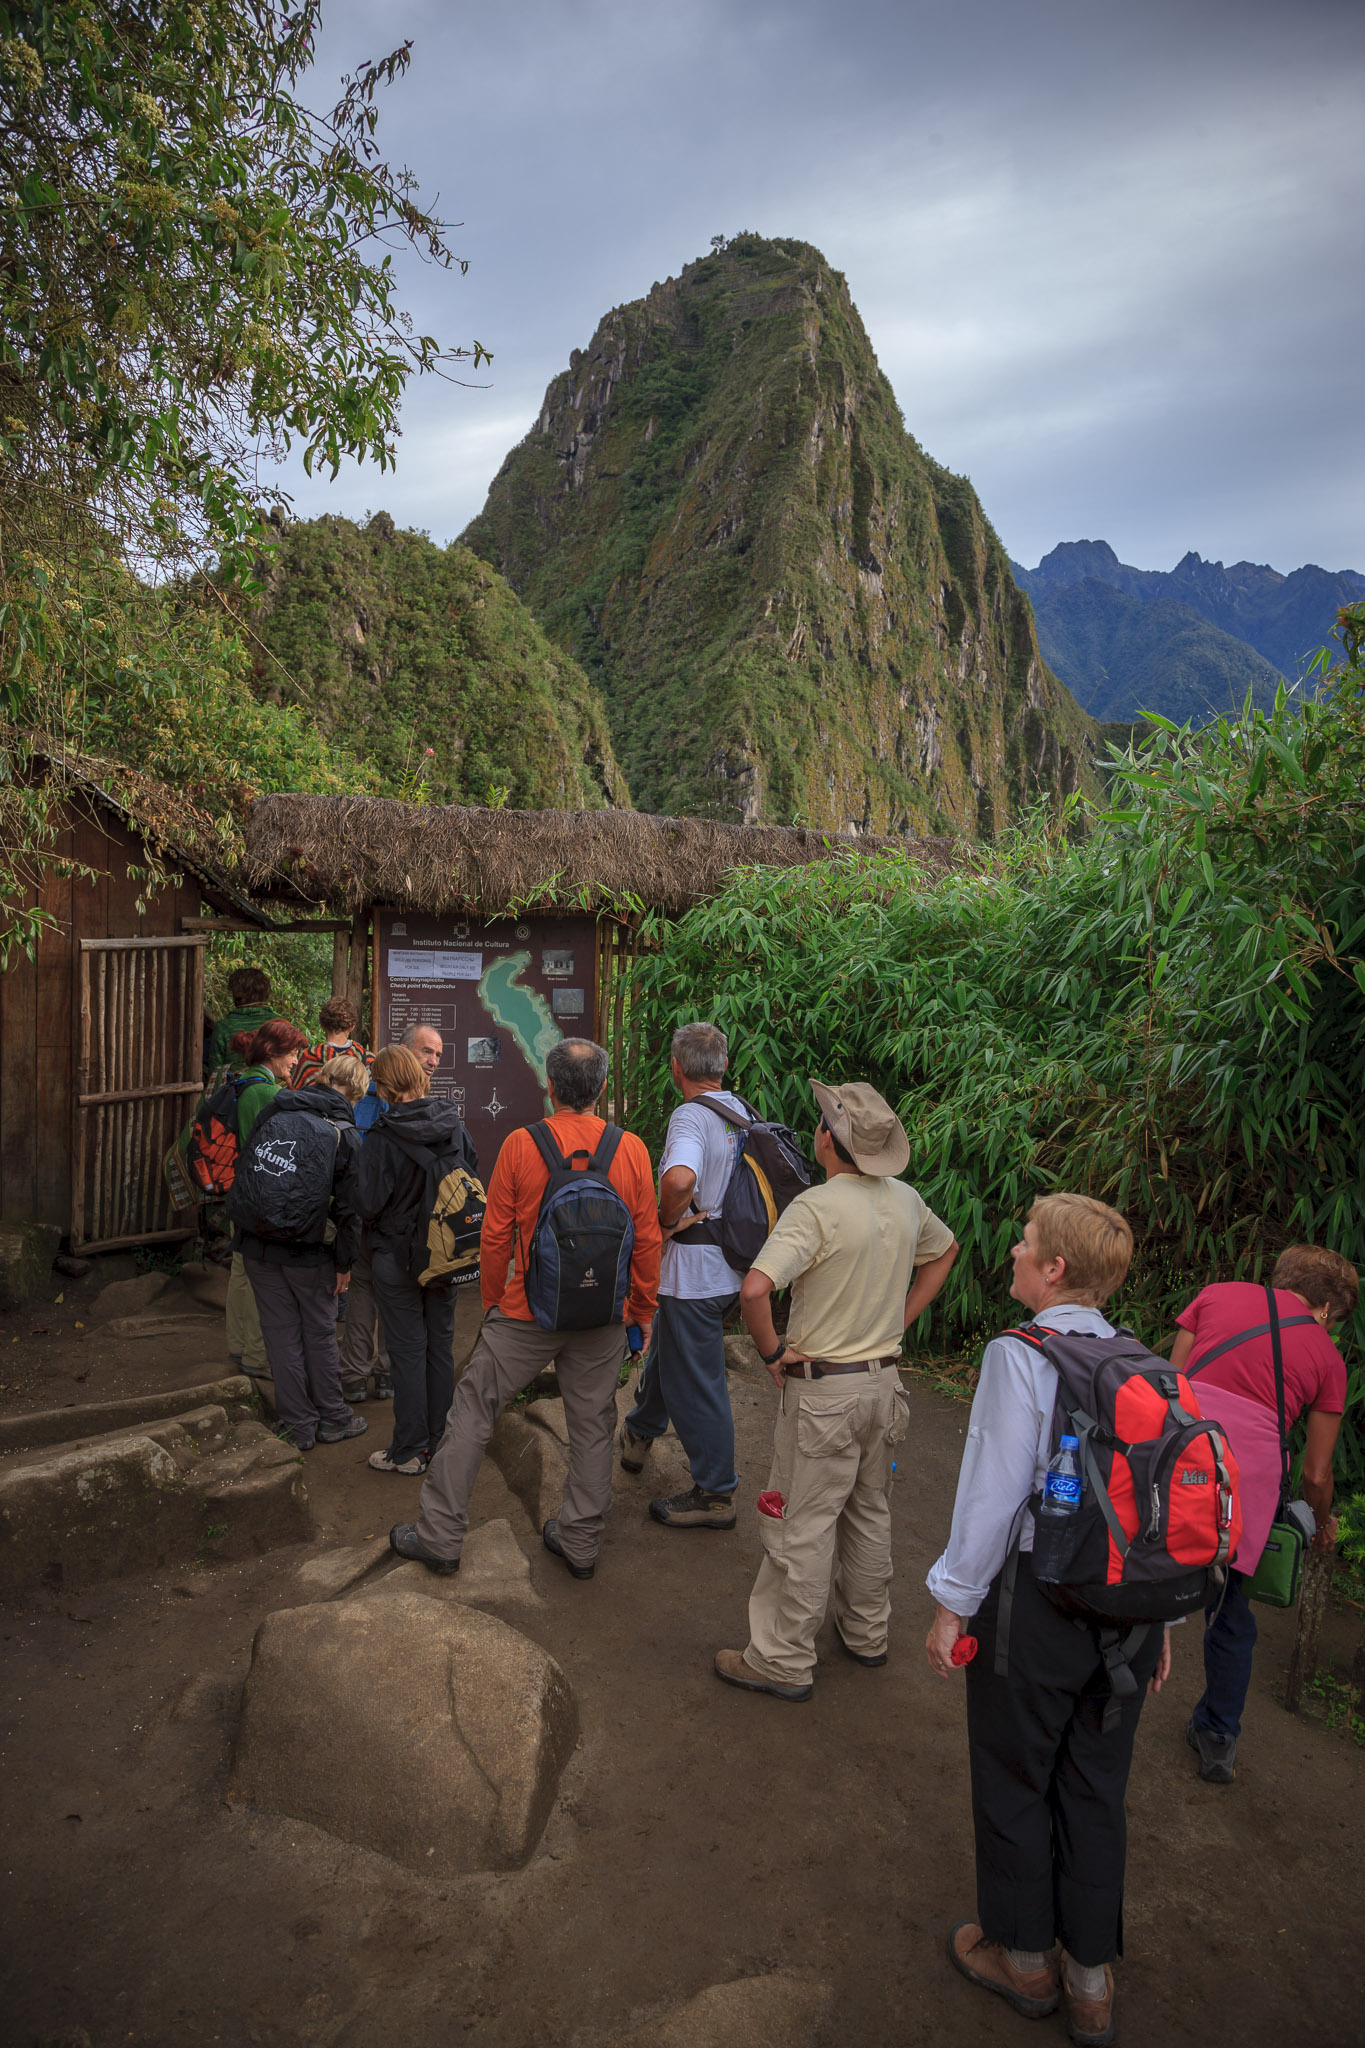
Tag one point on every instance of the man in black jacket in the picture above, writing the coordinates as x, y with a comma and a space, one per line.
297, 1176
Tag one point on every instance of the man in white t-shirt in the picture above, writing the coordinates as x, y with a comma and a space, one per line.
684, 1378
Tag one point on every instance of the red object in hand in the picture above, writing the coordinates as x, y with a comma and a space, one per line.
772, 1504
964, 1649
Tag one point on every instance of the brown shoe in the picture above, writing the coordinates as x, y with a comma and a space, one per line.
1034, 1993
730, 1666
1090, 2021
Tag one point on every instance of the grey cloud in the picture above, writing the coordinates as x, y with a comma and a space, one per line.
1105, 252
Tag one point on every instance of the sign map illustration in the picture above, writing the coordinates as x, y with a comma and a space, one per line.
501, 992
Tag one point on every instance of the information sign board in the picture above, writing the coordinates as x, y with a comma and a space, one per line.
501, 992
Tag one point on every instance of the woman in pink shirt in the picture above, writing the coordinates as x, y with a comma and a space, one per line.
1313, 1288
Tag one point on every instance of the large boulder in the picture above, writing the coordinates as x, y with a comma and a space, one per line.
431, 1734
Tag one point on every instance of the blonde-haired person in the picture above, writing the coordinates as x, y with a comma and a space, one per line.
419, 1322
1228, 1324
1047, 1781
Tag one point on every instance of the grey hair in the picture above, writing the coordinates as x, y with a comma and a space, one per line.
577, 1071
409, 1038
701, 1050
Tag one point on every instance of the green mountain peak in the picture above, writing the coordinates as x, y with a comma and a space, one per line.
792, 613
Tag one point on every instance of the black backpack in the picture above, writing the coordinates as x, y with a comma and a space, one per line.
282, 1189
445, 1251
769, 1172
578, 1261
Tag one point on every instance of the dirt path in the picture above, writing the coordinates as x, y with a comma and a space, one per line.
703, 1834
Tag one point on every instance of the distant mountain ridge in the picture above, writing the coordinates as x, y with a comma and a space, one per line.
1284, 618
792, 613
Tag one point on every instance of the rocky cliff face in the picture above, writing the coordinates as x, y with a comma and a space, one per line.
398, 646
793, 613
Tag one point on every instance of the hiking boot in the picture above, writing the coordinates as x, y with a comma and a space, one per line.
295, 1442
383, 1387
695, 1510
337, 1432
730, 1666
634, 1449
352, 1395
870, 1663
549, 1536
1034, 1993
411, 1468
405, 1542
1217, 1754
1089, 2021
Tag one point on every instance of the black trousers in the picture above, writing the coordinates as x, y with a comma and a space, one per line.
419, 1330
1047, 1780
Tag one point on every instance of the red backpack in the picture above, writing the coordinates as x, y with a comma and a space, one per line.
1160, 1514
213, 1145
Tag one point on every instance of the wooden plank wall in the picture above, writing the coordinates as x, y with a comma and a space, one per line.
38, 1020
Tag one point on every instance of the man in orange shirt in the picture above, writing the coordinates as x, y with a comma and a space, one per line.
513, 1346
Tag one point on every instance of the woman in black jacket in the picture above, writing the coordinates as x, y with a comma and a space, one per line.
419, 1322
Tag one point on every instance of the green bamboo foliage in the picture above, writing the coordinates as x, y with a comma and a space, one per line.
1167, 1012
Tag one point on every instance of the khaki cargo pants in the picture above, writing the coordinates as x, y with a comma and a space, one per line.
246, 1345
832, 1451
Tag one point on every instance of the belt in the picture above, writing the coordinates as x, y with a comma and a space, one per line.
821, 1368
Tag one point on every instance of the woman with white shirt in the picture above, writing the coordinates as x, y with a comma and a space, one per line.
1048, 1780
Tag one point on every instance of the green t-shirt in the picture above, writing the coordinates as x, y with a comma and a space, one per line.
227, 1028
254, 1100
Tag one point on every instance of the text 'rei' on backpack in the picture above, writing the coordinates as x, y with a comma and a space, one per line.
282, 1189
1159, 1513
212, 1146
577, 1265
769, 1172
445, 1251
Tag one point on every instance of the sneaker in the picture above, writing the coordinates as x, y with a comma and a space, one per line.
411, 1468
405, 1542
1089, 2021
550, 1537
634, 1449
1035, 1994
695, 1510
1217, 1754
383, 1387
337, 1432
730, 1666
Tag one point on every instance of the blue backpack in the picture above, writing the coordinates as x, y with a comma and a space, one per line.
578, 1260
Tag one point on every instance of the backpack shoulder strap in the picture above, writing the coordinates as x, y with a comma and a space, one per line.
743, 1121
606, 1151
1245, 1337
539, 1134
1030, 1333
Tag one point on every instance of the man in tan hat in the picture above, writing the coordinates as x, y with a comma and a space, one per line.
864, 1257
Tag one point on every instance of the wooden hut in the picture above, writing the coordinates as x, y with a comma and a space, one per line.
505, 929
101, 1031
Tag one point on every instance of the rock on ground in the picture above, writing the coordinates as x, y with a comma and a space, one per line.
97, 1418
494, 1572
753, 2012
193, 1485
429, 1733
333, 1572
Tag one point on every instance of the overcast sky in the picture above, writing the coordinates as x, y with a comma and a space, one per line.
1109, 254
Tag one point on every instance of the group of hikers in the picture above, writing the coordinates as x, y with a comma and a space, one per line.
1105, 1494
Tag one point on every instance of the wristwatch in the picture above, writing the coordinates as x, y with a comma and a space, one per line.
776, 1355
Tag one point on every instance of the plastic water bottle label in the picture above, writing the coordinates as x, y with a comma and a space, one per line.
1062, 1489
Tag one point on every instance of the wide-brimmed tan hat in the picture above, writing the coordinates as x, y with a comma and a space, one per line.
866, 1126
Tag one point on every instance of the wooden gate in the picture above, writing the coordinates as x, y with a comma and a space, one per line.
140, 1065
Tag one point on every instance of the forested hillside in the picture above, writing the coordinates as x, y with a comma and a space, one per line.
792, 612
422, 664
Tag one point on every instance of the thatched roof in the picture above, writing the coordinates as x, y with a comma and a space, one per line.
179, 835
353, 851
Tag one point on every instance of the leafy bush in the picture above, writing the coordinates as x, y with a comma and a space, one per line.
1168, 1013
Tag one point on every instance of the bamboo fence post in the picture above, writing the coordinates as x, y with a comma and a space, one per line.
1303, 1661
